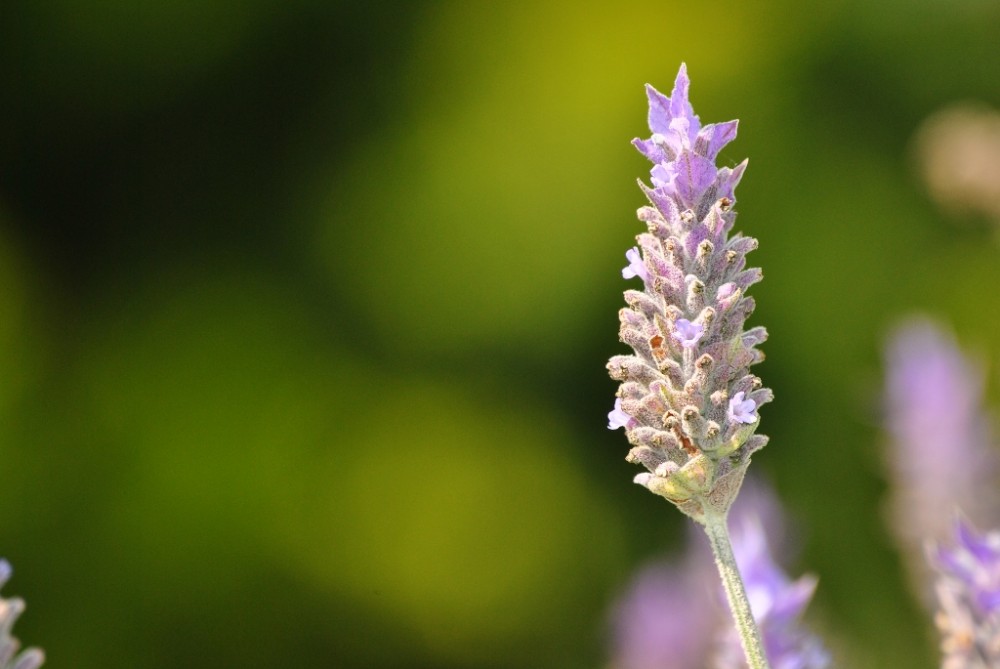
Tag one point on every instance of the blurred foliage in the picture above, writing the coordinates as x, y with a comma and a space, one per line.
304, 309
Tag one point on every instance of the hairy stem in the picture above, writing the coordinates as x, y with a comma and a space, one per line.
718, 536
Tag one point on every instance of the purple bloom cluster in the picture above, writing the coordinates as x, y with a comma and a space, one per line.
943, 465
687, 400
968, 590
10, 609
673, 615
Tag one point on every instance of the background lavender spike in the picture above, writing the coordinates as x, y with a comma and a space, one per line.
686, 327
968, 593
940, 456
10, 609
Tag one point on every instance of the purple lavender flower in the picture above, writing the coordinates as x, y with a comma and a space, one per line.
686, 327
10, 609
635, 268
968, 590
940, 453
741, 410
618, 418
687, 333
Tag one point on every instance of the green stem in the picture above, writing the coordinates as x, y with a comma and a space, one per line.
718, 536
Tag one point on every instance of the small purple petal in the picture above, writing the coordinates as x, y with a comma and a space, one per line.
741, 410
680, 133
687, 333
650, 149
714, 136
636, 267
618, 418
659, 110
729, 179
662, 175
694, 175
680, 107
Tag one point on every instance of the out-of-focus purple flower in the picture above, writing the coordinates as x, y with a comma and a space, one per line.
777, 603
673, 615
742, 410
968, 591
635, 268
668, 617
940, 453
10, 609
691, 352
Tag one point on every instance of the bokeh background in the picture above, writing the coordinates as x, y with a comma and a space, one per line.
305, 305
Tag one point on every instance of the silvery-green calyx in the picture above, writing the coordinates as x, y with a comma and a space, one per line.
687, 399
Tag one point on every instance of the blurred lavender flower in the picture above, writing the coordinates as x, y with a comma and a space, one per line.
968, 590
777, 603
10, 609
940, 456
670, 619
691, 353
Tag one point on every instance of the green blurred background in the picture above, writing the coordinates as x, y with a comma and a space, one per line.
305, 305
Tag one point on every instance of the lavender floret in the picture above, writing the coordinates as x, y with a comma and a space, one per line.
742, 410
635, 268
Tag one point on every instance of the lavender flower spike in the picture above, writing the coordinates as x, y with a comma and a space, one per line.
691, 353
968, 590
940, 452
10, 609
687, 387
